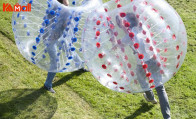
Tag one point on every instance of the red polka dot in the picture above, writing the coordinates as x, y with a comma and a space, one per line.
165, 59
127, 24
177, 47
119, 5
141, 56
138, 16
129, 65
109, 75
132, 73
106, 9
165, 50
151, 81
97, 33
115, 83
158, 50
148, 74
144, 32
122, 14
154, 57
152, 86
98, 45
136, 45
104, 66
168, 27
151, 48
161, 71
147, 40
174, 36
126, 57
131, 34
100, 55
158, 64
145, 66
122, 88
121, 64
98, 22
161, 17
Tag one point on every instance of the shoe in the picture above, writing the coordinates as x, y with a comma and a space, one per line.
49, 89
154, 101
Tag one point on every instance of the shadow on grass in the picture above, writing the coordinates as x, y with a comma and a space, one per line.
68, 77
143, 108
31, 103
27, 103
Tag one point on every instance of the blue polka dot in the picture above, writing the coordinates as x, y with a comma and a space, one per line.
14, 22
52, 12
47, 11
34, 47
67, 29
80, 49
49, 5
57, 14
32, 59
55, 20
58, 54
46, 21
28, 33
60, 48
67, 64
75, 29
57, 60
72, 49
23, 17
59, 8
74, 40
33, 62
37, 40
68, 23
31, 1
33, 53
76, 19
53, 26
18, 15
64, 68
43, 56
45, 51
62, 41
41, 30
74, 2
64, 35
25, 25
70, 57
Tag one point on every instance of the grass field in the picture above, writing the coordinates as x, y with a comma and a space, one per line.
79, 95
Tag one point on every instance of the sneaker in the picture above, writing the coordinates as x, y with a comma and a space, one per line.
49, 89
154, 101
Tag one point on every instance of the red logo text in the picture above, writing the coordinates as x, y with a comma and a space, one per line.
16, 8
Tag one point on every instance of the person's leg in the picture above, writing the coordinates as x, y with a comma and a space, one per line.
163, 100
49, 79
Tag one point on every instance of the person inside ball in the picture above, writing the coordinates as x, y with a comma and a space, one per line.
148, 70
55, 41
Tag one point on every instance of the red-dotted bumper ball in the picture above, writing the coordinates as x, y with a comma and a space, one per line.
134, 46
49, 35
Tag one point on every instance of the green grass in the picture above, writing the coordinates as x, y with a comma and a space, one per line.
79, 95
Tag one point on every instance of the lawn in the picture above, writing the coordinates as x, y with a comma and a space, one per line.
79, 95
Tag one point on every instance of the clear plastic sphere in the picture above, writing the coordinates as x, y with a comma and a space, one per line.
50, 34
134, 46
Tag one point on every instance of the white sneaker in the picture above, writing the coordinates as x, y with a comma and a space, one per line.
154, 101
